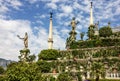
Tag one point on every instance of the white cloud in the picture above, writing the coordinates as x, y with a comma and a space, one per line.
51, 5
76, 5
42, 16
37, 6
3, 9
64, 32
106, 10
55, 1
32, 1
39, 22
7, 6
37, 1
38, 41
15, 4
117, 12
60, 15
59, 43
66, 9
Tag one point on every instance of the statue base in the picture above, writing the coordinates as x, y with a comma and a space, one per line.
24, 54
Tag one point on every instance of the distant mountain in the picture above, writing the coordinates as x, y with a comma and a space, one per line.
4, 62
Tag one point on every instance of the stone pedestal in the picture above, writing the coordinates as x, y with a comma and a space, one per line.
24, 54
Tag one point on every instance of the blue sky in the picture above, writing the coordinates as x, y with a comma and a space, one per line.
32, 16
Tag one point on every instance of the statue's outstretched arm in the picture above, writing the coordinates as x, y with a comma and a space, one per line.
20, 37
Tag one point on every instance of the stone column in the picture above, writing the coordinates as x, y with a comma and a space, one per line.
91, 15
50, 38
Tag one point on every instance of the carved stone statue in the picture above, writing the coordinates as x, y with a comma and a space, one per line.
74, 23
96, 26
25, 39
72, 34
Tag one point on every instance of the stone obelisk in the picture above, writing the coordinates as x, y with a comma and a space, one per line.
50, 38
91, 15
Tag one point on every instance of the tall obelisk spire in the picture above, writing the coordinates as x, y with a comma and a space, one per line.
91, 15
50, 38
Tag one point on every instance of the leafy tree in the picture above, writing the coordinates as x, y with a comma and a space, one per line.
97, 70
79, 76
20, 71
3, 78
52, 79
68, 42
44, 66
105, 31
24, 54
82, 35
72, 35
91, 32
49, 54
31, 58
64, 77
1, 70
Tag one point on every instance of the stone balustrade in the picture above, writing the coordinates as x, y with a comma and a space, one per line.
113, 75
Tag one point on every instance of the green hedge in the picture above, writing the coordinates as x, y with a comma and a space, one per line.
44, 66
64, 77
49, 54
2, 78
95, 52
1, 70
112, 52
21, 71
107, 80
95, 43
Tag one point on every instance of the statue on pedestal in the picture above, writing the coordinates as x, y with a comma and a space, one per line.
72, 33
24, 52
96, 29
74, 23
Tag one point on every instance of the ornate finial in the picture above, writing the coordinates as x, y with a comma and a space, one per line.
73, 18
91, 4
51, 14
109, 24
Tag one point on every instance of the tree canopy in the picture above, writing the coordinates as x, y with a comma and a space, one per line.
64, 77
44, 66
82, 35
91, 31
49, 54
21, 71
1, 70
105, 31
